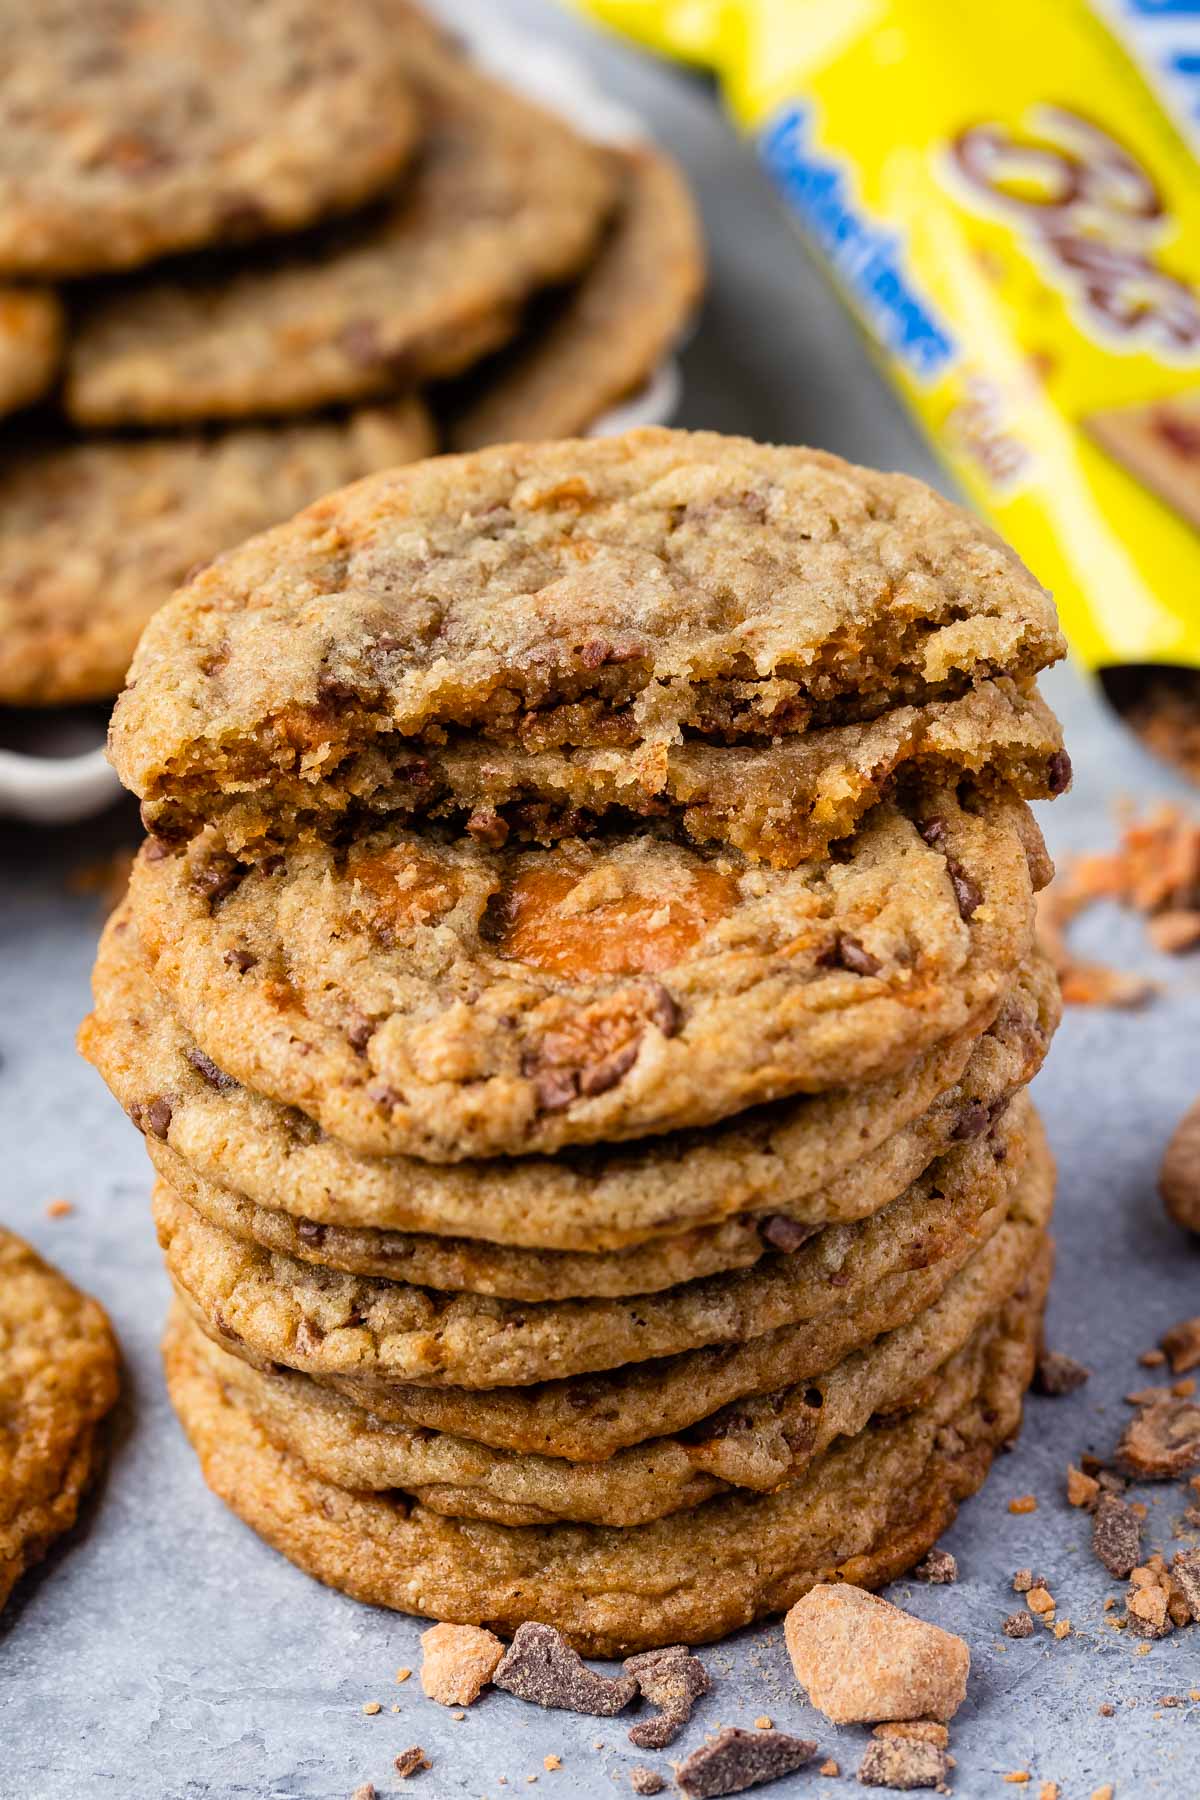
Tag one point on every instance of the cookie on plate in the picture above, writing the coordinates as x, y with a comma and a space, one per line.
504, 199
94, 536
865, 1511
582, 352
130, 131
58, 1379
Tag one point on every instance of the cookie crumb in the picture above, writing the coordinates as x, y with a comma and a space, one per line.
365, 1792
1152, 1359
1104, 1793
860, 1659
915, 1731
59, 1209
540, 1666
1023, 1580
1018, 1625
371, 1707
673, 1680
1048, 1791
1182, 1346
829, 1767
737, 1759
552, 1762
1082, 1490
1040, 1600
646, 1781
762, 1723
1162, 1440
1018, 1777
1057, 1374
1023, 1503
1185, 1569
938, 1567
1062, 1629
1116, 1535
403, 1674
895, 1763
458, 1661
411, 1762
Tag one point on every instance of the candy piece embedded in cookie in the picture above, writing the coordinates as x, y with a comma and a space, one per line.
131, 132
95, 536
450, 1000
504, 199
864, 1512
31, 339
58, 1378
662, 621
584, 351
609, 1220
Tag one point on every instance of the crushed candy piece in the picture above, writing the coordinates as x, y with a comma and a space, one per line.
735, 1760
861, 1659
541, 1666
673, 1680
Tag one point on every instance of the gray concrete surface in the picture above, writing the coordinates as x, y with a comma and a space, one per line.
164, 1653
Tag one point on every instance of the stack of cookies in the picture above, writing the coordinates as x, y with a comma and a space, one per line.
385, 249
577, 992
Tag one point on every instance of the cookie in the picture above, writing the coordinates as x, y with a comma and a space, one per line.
637, 596
611, 1220
135, 130
446, 1000
328, 1323
58, 1378
504, 199
864, 1512
31, 338
762, 1443
95, 536
583, 352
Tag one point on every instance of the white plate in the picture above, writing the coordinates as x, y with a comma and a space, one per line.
56, 784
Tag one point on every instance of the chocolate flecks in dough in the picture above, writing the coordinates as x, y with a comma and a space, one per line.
154, 1116
217, 879
785, 1234
933, 830
673, 1679
1059, 774
665, 1011
241, 960
736, 1760
1018, 1625
206, 1067
1058, 1374
1186, 1571
541, 1666
1116, 1535
845, 952
967, 891
903, 1765
938, 1567
646, 1781
1162, 1440
973, 1122
411, 1762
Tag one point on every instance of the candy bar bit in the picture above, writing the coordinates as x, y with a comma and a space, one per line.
1116, 1535
458, 1661
672, 1679
541, 1666
411, 1762
1186, 1570
892, 1763
1162, 1440
1018, 1625
938, 1567
736, 1760
646, 1781
861, 1659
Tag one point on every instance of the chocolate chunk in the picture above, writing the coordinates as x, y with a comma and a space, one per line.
541, 1666
1018, 1625
1162, 1440
665, 1011
360, 1033
333, 692
205, 1066
736, 1759
845, 952
1179, 1177
973, 1121
605, 1075
409, 1762
967, 892
155, 850
556, 1088
487, 827
1182, 1345
938, 1566
1116, 1535
155, 1116
241, 960
1057, 1374
1186, 1571
785, 1234
309, 1232
899, 1763
646, 1781
673, 1679
933, 830
1058, 772
217, 878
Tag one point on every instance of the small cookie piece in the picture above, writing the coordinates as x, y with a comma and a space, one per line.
155, 128
736, 1759
1116, 1535
1162, 1440
541, 1666
859, 1658
1058, 1374
1179, 1176
458, 1661
58, 1379
673, 1680
893, 1763
1018, 1625
1182, 1346
31, 340
411, 1762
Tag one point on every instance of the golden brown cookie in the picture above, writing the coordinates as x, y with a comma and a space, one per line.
31, 338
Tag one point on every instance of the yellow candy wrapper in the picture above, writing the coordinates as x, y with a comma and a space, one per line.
1007, 197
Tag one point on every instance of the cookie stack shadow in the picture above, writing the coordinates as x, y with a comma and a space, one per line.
250, 254
578, 994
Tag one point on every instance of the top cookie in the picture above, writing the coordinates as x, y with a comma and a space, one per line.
132, 129
612, 594
58, 1377
505, 199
